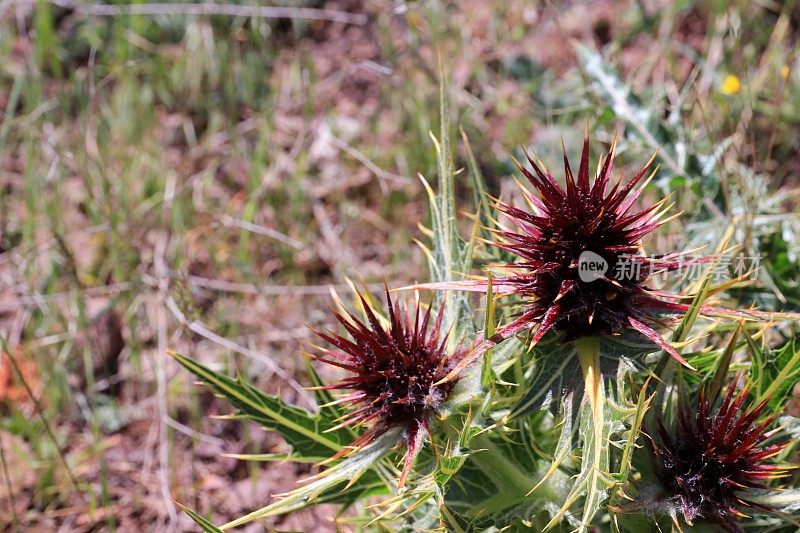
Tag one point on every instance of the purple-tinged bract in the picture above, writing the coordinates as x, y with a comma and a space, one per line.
711, 459
582, 270
394, 372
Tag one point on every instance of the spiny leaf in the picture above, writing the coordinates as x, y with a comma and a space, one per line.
321, 395
786, 501
666, 365
350, 470
720, 375
774, 372
642, 405
479, 190
626, 461
204, 524
450, 256
487, 374
566, 439
557, 384
557, 370
593, 480
308, 434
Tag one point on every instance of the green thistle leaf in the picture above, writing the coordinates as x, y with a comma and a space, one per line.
309, 435
204, 524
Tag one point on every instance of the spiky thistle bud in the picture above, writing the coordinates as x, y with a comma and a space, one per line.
582, 269
395, 372
709, 460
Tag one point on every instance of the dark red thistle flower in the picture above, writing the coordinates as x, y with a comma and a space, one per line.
582, 269
582, 266
710, 461
395, 372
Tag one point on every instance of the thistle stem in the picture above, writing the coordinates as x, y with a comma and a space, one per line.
513, 484
492, 462
589, 355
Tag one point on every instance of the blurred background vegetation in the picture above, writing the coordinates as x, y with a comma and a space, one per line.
193, 178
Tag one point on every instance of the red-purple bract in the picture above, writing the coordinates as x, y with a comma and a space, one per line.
711, 459
394, 372
566, 225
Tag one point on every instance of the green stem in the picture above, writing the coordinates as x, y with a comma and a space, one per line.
512, 483
589, 355
495, 465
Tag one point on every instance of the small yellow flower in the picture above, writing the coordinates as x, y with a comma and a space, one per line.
785, 72
414, 19
731, 85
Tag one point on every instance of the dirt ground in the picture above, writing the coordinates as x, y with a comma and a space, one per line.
135, 430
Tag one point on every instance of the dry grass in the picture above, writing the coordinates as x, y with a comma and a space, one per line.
195, 182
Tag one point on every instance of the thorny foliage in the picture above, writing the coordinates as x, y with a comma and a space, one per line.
412, 374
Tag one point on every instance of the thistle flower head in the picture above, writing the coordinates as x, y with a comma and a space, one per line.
395, 372
710, 461
582, 271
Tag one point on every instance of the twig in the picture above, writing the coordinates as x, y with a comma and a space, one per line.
332, 250
272, 290
364, 160
41, 248
714, 55
777, 123
261, 230
209, 8
162, 275
43, 299
147, 462
189, 432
